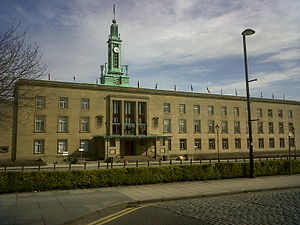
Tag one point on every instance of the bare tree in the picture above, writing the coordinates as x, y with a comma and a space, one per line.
18, 60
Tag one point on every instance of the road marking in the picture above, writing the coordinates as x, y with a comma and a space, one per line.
116, 215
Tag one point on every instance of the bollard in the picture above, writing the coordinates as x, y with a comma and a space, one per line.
98, 165
5, 168
39, 167
148, 163
280, 157
236, 160
70, 165
84, 165
200, 161
228, 160
209, 161
54, 166
124, 164
244, 159
170, 162
111, 165
267, 158
159, 162
191, 161
180, 161
137, 163
22, 168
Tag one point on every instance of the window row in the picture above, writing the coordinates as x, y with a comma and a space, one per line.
237, 143
212, 127
223, 110
62, 124
63, 102
62, 146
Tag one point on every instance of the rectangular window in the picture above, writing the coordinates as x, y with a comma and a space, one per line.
236, 111
261, 143
63, 103
292, 142
224, 127
237, 127
237, 143
197, 144
211, 143
271, 128
182, 126
291, 127
170, 144
112, 142
38, 146
290, 114
167, 126
84, 124
62, 146
259, 112
280, 113
197, 126
85, 103
183, 144
40, 102
271, 143
280, 128
210, 110
62, 124
211, 126
270, 113
181, 108
260, 127
281, 142
129, 118
84, 144
223, 111
39, 124
196, 109
167, 108
225, 143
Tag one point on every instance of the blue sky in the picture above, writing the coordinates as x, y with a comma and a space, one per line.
170, 42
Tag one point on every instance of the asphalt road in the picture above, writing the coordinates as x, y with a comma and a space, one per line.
271, 207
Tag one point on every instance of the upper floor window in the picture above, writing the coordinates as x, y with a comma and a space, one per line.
182, 126
223, 110
116, 112
84, 124
290, 114
63, 103
270, 113
271, 143
210, 110
261, 143
38, 146
167, 126
183, 144
62, 124
237, 143
181, 108
291, 127
237, 127
211, 126
280, 114
259, 112
39, 124
197, 126
167, 107
196, 109
281, 142
271, 128
85, 103
40, 102
260, 128
280, 128
224, 127
211, 143
236, 111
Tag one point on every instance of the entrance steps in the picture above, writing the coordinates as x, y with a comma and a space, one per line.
134, 158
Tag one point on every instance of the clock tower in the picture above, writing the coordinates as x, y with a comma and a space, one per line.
113, 73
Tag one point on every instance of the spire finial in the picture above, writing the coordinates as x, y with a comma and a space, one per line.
114, 12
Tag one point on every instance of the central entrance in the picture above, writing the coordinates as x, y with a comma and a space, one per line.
129, 147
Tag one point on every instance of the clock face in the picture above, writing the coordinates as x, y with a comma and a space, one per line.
116, 50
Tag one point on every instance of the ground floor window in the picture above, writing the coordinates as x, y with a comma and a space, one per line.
225, 143
62, 145
38, 146
198, 144
183, 144
237, 142
211, 143
84, 144
112, 143
271, 143
261, 143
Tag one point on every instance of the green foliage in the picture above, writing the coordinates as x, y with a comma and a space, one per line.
63, 180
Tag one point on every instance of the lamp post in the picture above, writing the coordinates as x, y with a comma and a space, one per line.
291, 134
245, 33
217, 127
295, 156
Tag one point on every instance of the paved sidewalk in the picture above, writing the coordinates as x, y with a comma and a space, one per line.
59, 207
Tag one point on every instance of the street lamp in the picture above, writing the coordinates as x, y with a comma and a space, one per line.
291, 134
245, 33
217, 127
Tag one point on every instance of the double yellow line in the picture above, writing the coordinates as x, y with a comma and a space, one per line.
116, 215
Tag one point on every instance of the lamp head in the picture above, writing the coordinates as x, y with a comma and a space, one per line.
248, 32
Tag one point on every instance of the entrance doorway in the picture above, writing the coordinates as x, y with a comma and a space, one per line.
129, 147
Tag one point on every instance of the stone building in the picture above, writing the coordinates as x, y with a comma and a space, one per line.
111, 119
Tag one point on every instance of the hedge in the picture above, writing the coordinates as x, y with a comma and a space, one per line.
63, 180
